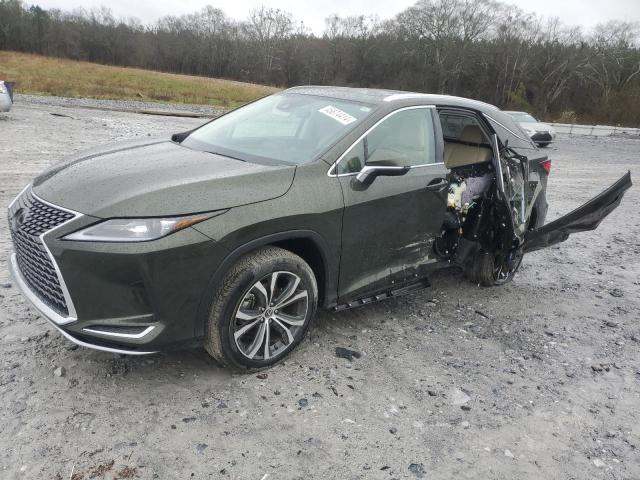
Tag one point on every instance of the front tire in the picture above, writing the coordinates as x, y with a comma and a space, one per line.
261, 310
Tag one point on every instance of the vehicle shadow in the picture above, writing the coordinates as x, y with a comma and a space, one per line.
449, 305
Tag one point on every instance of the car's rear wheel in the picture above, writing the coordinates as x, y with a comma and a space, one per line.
262, 309
490, 269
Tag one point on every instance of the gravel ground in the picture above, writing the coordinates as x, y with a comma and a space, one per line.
536, 379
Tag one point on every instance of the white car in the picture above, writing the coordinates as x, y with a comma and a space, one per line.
540, 133
6, 96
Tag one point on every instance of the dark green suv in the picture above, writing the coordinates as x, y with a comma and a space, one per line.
233, 234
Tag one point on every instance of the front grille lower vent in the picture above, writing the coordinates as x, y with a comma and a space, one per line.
30, 218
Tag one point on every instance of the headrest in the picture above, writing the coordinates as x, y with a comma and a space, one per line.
472, 134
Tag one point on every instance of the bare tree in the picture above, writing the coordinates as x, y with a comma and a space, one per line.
267, 28
483, 49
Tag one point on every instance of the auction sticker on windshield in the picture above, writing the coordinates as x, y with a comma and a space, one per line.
343, 117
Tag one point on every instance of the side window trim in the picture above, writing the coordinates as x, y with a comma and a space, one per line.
332, 172
437, 131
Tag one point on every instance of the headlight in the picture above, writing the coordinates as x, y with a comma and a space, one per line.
137, 229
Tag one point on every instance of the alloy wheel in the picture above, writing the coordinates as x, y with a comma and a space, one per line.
505, 268
270, 316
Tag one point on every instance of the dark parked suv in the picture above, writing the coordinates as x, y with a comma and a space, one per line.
233, 234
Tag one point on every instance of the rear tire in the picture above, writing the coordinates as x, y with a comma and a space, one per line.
261, 310
489, 270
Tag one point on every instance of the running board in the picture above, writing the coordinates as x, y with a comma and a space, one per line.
398, 292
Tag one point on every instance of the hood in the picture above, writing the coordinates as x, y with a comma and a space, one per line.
538, 126
157, 178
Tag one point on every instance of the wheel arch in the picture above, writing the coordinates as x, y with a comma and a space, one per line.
307, 244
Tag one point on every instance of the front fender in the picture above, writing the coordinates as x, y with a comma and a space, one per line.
328, 285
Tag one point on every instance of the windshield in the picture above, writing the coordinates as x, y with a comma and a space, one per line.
290, 128
522, 117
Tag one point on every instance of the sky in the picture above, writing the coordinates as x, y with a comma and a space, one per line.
586, 13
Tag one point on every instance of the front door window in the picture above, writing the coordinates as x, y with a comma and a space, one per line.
403, 139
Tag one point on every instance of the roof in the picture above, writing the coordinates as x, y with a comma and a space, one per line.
365, 95
380, 96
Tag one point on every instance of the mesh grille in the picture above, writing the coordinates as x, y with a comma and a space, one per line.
28, 219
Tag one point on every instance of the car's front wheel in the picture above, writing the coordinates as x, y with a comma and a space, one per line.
262, 309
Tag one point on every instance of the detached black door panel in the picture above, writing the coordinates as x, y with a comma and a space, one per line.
586, 217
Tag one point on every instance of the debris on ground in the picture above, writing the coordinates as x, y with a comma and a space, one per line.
458, 397
417, 469
347, 354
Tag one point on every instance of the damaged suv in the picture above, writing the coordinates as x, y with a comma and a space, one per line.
233, 234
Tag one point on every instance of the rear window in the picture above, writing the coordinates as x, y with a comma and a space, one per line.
522, 117
510, 132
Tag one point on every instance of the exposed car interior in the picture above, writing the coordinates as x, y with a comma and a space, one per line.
471, 224
478, 222
472, 148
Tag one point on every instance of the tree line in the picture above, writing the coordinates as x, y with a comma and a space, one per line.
482, 49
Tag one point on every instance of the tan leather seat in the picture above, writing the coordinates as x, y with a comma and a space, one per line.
459, 155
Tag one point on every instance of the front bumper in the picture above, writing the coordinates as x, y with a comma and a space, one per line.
55, 319
131, 298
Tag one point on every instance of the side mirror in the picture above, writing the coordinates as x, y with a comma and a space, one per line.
369, 173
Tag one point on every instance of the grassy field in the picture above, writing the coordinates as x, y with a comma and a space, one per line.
36, 74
